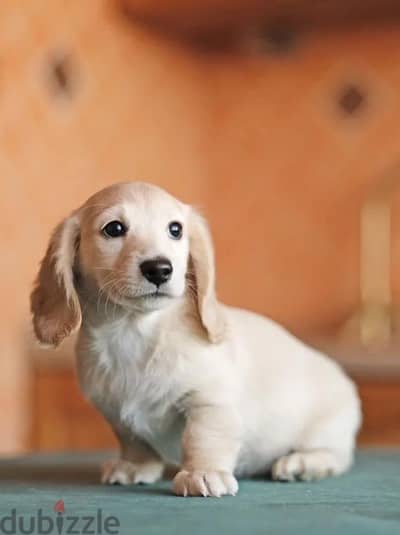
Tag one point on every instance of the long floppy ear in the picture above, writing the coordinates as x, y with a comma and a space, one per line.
54, 302
202, 265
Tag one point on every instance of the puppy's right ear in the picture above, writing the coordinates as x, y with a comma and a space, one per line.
54, 302
203, 269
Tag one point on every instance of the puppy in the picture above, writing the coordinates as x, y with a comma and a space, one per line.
181, 378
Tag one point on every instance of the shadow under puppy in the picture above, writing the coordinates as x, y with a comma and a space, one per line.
181, 378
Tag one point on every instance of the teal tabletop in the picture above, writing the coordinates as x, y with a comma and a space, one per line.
49, 493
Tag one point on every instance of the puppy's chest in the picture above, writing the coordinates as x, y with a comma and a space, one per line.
132, 383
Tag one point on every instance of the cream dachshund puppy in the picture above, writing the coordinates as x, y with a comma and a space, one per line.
181, 378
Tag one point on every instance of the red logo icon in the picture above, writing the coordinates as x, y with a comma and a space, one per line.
59, 506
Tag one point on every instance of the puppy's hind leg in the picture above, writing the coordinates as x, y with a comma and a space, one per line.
308, 465
325, 450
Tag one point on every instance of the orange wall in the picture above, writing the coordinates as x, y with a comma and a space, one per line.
136, 112
254, 139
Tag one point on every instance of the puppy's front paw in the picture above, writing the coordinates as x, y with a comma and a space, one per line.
118, 471
199, 483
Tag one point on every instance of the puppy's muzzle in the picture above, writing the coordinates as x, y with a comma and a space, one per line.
157, 271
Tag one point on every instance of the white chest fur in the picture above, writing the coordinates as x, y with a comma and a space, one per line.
122, 369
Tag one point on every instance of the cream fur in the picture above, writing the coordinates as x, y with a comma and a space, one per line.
182, 379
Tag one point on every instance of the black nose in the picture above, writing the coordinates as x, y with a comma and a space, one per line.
156, 271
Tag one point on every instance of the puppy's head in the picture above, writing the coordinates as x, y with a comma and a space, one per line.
133, 245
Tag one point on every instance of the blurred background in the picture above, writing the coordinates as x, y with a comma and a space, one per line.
280, 119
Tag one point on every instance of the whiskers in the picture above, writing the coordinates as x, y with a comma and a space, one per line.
115, 287
115, 292
191, 285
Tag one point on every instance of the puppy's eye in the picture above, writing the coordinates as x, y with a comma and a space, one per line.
114, 229
175, 230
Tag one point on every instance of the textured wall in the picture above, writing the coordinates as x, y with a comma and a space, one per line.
85, 100
279, 148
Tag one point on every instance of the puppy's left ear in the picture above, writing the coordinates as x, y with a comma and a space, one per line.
202, 268
54, 302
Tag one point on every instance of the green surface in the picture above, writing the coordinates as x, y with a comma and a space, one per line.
364, 501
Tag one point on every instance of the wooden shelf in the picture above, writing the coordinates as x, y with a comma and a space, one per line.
198, 16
